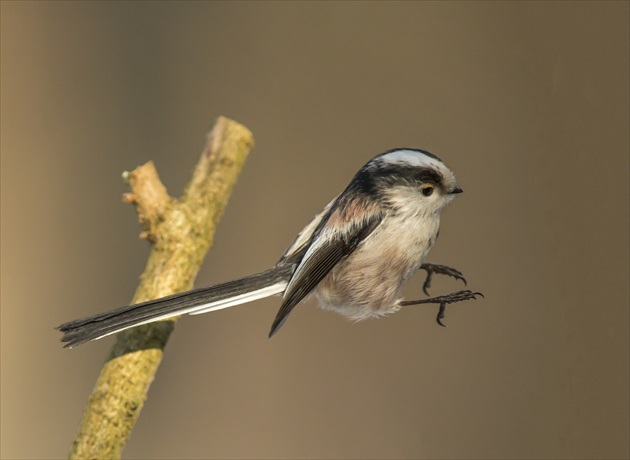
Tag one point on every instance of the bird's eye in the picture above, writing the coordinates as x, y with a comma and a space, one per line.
427, 191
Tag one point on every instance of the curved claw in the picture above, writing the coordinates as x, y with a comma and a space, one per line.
471, 295
441, 314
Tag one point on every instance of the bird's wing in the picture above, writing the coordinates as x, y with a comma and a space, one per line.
321, 257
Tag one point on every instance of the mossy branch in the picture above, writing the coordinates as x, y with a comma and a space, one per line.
181, 232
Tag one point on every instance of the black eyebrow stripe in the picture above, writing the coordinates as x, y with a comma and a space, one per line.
394, 174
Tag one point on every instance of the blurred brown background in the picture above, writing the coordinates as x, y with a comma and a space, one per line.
526, 102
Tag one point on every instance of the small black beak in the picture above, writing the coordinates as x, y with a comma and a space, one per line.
456, 190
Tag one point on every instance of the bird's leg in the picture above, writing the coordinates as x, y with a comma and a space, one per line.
443, 300
432, 269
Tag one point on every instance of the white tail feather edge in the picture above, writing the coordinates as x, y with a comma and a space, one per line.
239, 299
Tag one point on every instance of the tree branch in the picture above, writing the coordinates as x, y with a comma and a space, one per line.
181, 231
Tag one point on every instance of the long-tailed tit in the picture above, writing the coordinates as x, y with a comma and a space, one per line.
355, 255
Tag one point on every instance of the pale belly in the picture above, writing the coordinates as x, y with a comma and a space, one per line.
368, 283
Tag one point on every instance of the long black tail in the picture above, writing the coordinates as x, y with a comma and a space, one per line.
225, 295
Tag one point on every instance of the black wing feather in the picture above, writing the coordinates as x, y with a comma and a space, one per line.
318, 266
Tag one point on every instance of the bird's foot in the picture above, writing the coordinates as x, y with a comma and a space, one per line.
444, 300
432, 269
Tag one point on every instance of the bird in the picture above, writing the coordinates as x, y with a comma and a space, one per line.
354, 256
